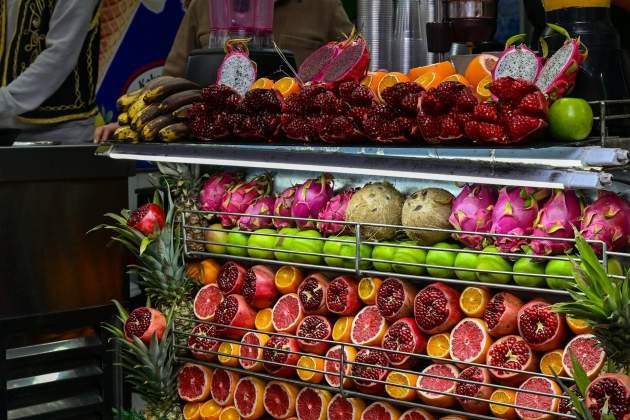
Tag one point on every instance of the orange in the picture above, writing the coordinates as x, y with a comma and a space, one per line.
372, 79
456, 78
228, 348
229, 413
390, 79
368, 286
579, 326
193, 270
438, 345
473, 301
287, 279
342, 328
210, 410
191, 411
263, 320
262, 83
310, 362
209, 271
428, 80
442, 69
401, 378
479, 68
501, 411
287, 86
482, 88
551, 363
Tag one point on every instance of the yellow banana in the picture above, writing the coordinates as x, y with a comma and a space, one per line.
123, 119
137, 106
124, 102
126, 134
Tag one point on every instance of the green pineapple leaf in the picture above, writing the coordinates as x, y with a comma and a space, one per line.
581, 379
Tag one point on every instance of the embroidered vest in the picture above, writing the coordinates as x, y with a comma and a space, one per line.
76, 98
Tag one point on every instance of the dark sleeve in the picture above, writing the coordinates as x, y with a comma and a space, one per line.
340, 23
184, 43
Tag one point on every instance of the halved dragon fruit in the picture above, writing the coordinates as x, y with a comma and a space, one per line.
607, 220
472, 211
310, 199
262, 206
214, 187
557, 77
237, 70
282, 207
238, 198
556, 219
335, 210
519, 61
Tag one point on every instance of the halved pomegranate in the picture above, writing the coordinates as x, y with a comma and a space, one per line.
370, 370
541, 327
611, 388
235, 312
511, 352
259, 288
147, 219
144, 323
314, 326
342, 297
436, 308
438, 381
500, 314
231, 278
482, 376
281, 351
202, 341
312, 294
395, 299
404, 336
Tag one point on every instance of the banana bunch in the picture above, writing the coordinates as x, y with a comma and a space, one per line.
159, 110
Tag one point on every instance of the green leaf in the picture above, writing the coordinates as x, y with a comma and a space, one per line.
121, 310
144, 244
581, 379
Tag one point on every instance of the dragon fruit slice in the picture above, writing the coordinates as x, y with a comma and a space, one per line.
607, 220
557, 76
519, 61
556, 219
262, 206
214, 188
282, 207
237, 70
238, 198
472, 211
335, 210
310, 199
514, 214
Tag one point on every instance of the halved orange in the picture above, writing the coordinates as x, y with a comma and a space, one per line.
428, 80
438, 345
314, 363
229, 413
390, 79
482, 88
193, 270
262, 83
456, 78
210, 410
209, 270
479, 68
473, 301
287, 279
262, 322
368, 287
579, 326
442, 69
551, 363
372, 79
231, 349
287, 86
341, 329
191, 411
398, 392
503, 396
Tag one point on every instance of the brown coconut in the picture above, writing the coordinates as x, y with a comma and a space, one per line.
377, 202
429, 207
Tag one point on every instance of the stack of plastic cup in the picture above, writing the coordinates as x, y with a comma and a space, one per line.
409, 47
375, 21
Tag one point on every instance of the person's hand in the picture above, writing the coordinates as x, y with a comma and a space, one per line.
104, 132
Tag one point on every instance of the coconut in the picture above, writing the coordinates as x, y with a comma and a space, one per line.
377, 202
431, 208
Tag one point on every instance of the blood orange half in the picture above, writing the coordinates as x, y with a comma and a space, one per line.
223, 384
206, 302
438, 382
368, 327
332, 368
250, 352
416, 414
380, 411
526, 400
587, 350
287, 314
344, 408
248, 398
311, 404
193, 382
279, 399
470, 341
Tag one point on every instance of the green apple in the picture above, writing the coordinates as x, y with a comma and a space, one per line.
466, 260
333, 249
527, 265
236, 237
443, 258
262, 241
285, 242
350, 250
559, 268
615, 268
309, 246
409, 255
493, 263
213, 236
570, 119
383, 252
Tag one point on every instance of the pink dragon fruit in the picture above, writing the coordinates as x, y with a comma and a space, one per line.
310, 199
262, 206
607, 220
519, 61
514, 214
556, 219
282, 207
557, 76
335, 209
238, 198
213, 189
472, 211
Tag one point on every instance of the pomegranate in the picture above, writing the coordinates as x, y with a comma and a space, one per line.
201, 342
476, 374
231, 278
259, 288
404, 336
500, 314
436, 308
395, 299
314, 326
147, 219
235, 312
144, 323
541, 327
611, 388
373, 361
342, 296
312, 294
511, 352
281, 352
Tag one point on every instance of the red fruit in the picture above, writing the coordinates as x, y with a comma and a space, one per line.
247, 351
262, 100
342, 296
193, 382
475, 374
611, 388
341, 407
331, 367
207, 301
450, 129
350, 64
588, 352
486, 111
436, 308
346, 89
404, 336
259, 288
535, 105
278, 400
429, 126
337, 129
510, 352
395, 95
380, 411
486, 133
368, 327
298, 128
247, 397
511, 90
222, 386
281, 351
546, 402
315, 64
541, 327
202, 342
147, 219
466, 101
362, 96
394, 299
314, 326
312, 294
235, 312
218, 96
500, 314
449, 91
383, 130
287, 314
370, 370
430, 104
416, 414
438, 381
144, 323
231, 278
311, 404
523, 127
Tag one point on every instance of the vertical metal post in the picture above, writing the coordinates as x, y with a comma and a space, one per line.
602, 122
357, 258
605, 257
342, 369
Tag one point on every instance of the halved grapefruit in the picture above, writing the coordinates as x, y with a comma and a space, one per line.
527, 400
332, 368
380, 411
223, 384
469, 341
206, 302
344, 408
311, 404
279, 399
287, 314
247, 352
588, 352
438, 381
193, 382
368, 327
248, 398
